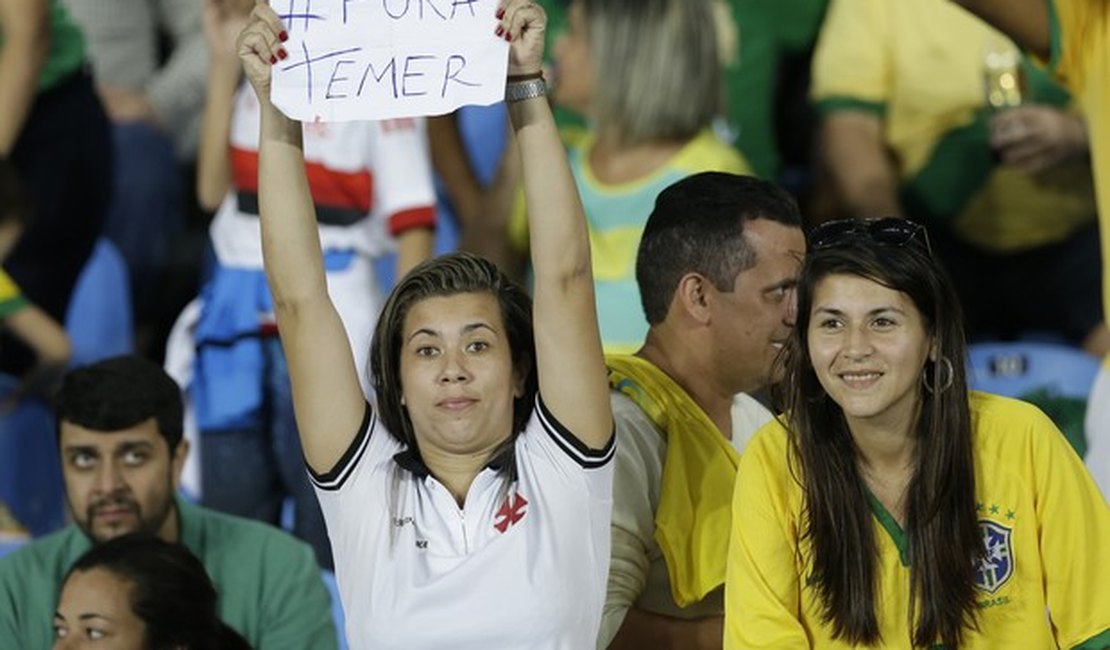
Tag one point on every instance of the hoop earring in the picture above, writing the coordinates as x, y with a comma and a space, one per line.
936, 386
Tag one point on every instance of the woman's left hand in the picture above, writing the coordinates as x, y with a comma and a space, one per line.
523, 24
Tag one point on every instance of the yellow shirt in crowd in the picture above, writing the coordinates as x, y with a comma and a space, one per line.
1043, 522
1081, 57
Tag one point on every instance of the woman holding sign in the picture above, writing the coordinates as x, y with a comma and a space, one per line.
470, 509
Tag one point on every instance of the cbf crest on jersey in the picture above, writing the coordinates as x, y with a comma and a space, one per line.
998, 566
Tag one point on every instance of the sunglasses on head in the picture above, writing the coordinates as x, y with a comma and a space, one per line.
887, 231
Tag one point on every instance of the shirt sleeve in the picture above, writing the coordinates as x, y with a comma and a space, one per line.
637, 475
402, 169
851, 67
762, 588
1074, 525
547, 438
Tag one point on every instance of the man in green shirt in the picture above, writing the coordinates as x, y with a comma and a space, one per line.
120, 435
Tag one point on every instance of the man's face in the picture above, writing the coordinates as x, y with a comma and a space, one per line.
752, 322
121, 482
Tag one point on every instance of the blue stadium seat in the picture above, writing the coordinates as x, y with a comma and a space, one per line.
30, 474
336, 608
1017, 368
1055, 377
99, 320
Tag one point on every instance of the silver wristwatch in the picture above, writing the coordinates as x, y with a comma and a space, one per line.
516, 91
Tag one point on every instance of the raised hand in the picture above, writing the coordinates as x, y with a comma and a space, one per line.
522, 24
223, 21
260, 47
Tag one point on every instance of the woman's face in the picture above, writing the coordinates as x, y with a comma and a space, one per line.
94, 611
457, 375
868, 345
575, 86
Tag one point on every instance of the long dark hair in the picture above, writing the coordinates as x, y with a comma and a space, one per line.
448, 275
170, 592
941, 525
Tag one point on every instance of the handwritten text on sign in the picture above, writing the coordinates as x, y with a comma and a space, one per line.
382, 59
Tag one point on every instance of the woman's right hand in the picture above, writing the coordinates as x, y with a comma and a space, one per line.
260, 47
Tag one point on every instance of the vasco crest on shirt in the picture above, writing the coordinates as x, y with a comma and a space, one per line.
997, 567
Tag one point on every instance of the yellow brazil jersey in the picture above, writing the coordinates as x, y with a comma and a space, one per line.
1081, 57
928, 87
1045, 526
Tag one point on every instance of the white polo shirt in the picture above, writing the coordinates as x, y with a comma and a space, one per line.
519, 566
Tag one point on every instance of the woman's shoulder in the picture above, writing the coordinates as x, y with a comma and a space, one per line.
1007, 428
707, 152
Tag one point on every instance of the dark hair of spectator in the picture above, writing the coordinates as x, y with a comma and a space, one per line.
170, 592
697, 226
120, 393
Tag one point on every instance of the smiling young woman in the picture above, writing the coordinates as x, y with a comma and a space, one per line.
890, 507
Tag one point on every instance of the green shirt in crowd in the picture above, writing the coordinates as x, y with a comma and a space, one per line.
270, 587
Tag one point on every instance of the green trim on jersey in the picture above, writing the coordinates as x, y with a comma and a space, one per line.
1100, 641
897, 535
833, 104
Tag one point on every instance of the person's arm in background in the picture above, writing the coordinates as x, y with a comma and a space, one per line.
1025, 21
25, 30
856, 159
490, 235
1036, 137
453, 166
222, 22
176, 91
404, 189
851, 76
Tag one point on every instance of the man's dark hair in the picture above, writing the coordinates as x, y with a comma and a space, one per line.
697, 226
119, 393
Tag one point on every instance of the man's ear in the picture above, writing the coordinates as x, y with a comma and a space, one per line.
177, 462
692, 296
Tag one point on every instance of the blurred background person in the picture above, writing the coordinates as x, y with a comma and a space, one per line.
614, 60
371, 183
54, 131
952, 127
140, 593
148, 61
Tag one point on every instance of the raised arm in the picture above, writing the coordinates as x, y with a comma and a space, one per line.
222, 23
327, 399
24, 46
568, 347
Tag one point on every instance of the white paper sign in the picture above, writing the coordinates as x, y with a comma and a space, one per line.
384, 59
